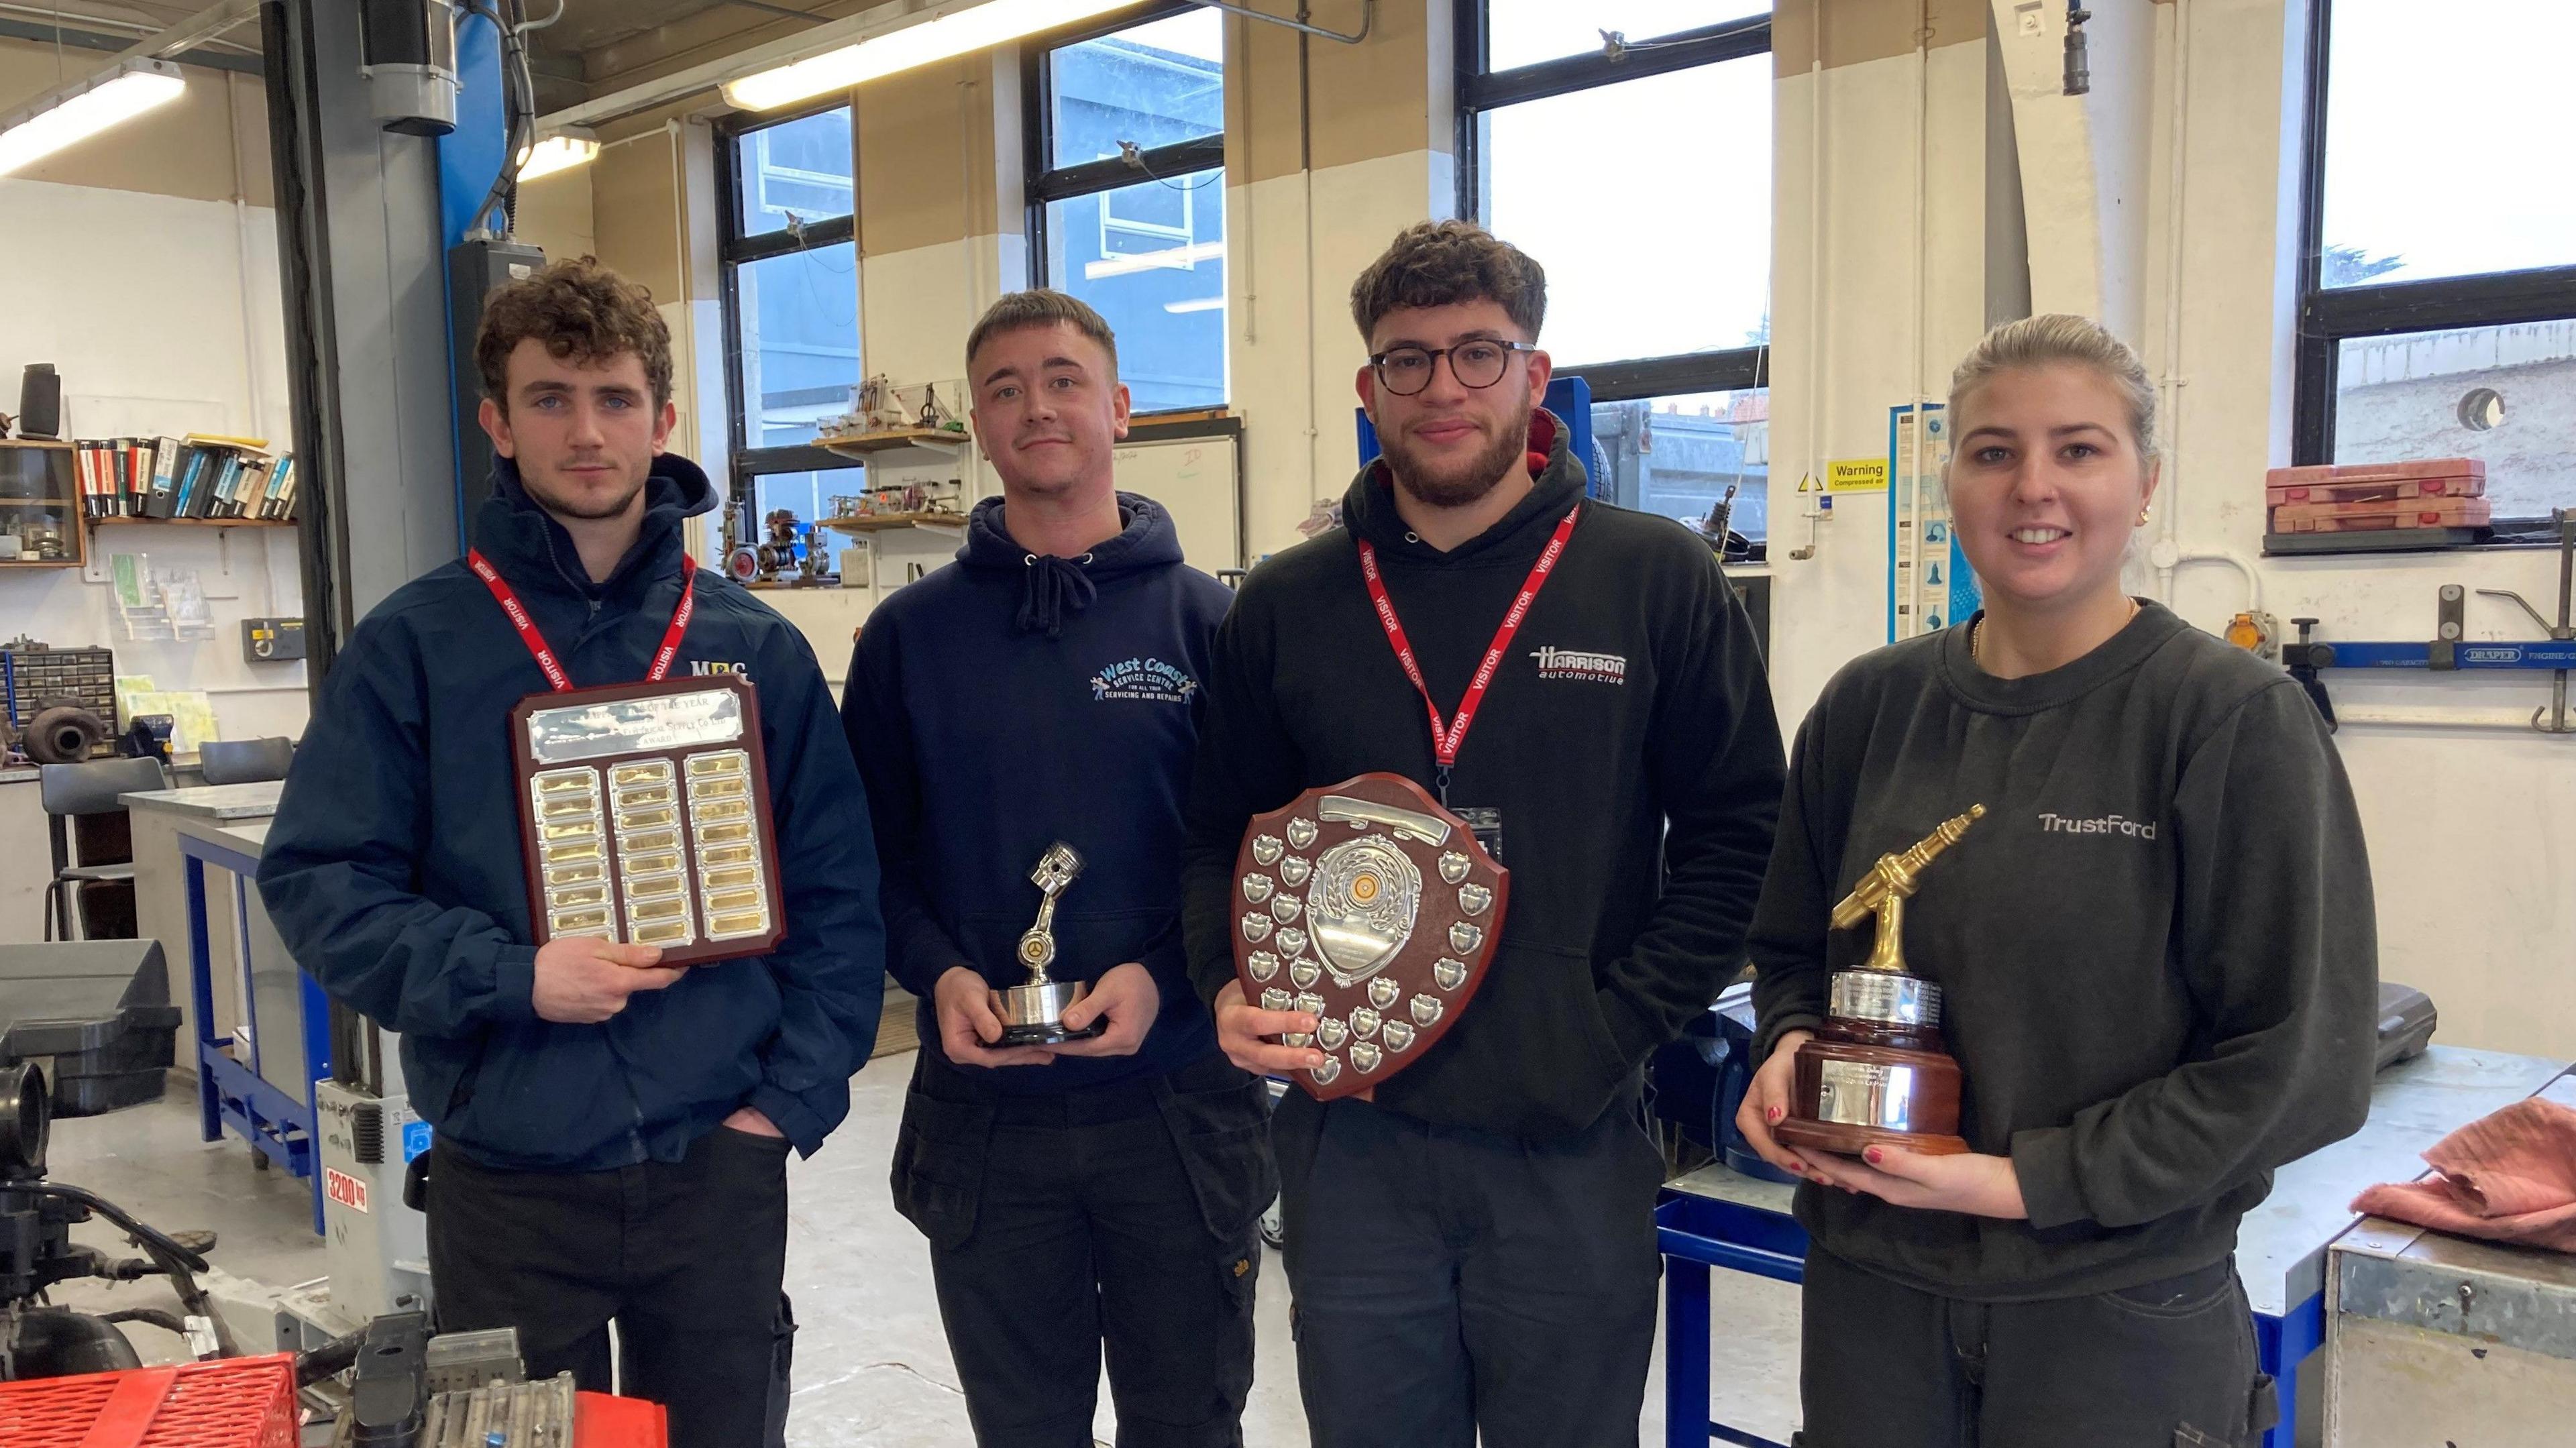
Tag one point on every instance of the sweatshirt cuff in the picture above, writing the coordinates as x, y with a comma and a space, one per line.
2044, 1161
1767, 1039
1634, 1032
514, 983
802, 1127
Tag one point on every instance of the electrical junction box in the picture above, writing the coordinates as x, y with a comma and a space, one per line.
269, 640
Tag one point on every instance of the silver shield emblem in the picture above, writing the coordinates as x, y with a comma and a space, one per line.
1464, 938
1265, 850
1325, 1073
1332, 1032
1365, 1057
1474, 898
1295, 870
1363, 1022
1256, 928
1285, 909
1311, 1003
1297, 1039
1263, 965
1301, 833
1449, 974
1362, 906
1397, 1035
1453, 866
1293, 940
1305, 973
1274, 999
1426, 1010
1256, 888
1383, 992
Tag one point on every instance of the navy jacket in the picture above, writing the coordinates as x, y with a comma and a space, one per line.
394, 867
1006, 702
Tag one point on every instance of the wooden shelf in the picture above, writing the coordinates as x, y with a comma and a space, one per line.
880, 522
860, 444
196, 522
58, 503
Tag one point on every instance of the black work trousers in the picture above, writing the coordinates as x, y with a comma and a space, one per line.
1118, 1220
1449, 1282
686, 1258
2170, 1364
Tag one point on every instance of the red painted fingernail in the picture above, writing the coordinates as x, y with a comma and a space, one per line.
1873, 1156
1773, 1114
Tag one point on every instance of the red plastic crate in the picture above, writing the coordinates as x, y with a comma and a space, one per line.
600, 1421
236, 1403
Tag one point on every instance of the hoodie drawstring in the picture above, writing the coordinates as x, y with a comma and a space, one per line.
1055, 585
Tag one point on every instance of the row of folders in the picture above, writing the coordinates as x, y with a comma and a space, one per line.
197, 476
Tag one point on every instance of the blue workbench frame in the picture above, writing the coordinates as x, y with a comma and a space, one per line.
229, 1093
1697, 1233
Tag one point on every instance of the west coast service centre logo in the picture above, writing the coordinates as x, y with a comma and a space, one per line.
1148, 679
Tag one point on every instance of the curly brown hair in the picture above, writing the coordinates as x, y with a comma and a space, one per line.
1436, 263
581, 311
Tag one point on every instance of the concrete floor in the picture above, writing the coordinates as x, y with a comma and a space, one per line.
872, 1366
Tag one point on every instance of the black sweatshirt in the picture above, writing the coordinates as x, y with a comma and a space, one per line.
1637, 783
2157, 950
1006, 702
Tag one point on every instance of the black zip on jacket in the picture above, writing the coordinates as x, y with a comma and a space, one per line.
1627, 739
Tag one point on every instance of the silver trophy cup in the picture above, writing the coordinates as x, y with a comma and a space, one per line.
1033, 1014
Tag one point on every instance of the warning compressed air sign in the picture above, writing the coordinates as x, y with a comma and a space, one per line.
1856, 475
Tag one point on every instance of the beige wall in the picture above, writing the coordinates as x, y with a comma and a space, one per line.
211, 144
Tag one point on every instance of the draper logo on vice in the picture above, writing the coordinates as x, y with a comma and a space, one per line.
2057, 824
1147, 679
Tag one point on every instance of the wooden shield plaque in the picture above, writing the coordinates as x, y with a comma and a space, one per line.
644, 810
1373, 909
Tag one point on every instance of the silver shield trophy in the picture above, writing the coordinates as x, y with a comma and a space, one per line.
1033, 1014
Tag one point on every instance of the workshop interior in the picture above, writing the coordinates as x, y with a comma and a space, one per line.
247, 249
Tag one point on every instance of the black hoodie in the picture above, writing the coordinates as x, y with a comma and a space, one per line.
1009, 701
1627, 739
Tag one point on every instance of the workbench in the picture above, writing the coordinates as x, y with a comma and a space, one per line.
1719, 1218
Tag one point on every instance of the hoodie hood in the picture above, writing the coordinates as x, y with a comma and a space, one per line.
1147, 539
1368, 509
534, 552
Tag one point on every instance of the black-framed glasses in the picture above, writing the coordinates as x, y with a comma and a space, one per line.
1405, 371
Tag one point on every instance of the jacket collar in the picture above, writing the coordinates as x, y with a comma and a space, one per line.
534, 552
1368, 509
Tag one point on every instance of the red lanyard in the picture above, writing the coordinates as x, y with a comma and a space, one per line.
536, 641
1447, 737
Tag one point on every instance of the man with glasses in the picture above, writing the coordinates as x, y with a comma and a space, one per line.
1471, 1243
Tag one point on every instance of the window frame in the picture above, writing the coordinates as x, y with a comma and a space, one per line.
734, 250
2329, 317
1048, 183
1630, 379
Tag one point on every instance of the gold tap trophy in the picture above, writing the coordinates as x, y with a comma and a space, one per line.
1877, 1074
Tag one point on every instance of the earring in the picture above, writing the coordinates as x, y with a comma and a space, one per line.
2144, 513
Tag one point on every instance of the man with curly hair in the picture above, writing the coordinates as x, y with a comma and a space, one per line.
612, 1132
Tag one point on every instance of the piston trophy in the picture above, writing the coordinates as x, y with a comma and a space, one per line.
1033, 1014
1877, 1074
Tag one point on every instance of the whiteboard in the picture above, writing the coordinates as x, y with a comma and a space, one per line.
1196, 480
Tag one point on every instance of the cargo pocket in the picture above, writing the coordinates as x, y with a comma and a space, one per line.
1219, 1117
939, 1165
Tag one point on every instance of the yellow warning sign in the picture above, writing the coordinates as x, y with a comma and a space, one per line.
1857, 475
1807, 483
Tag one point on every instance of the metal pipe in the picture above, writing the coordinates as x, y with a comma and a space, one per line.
1368, 20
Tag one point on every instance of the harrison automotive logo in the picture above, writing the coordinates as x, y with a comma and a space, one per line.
703, 668
1148, 679
2058, 824
1556, 663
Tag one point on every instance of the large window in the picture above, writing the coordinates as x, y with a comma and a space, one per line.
2438, 305
1127, 193
791, 310
1590, 132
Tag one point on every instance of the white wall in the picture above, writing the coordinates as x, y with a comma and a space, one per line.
162, 314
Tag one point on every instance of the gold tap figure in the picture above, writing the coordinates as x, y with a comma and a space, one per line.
1883, 890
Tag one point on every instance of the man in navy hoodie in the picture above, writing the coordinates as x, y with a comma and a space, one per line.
612, 1135
1045, 688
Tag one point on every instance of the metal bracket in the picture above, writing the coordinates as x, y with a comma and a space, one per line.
1368, 20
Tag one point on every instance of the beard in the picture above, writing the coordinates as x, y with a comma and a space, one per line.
571, 502
1458, 484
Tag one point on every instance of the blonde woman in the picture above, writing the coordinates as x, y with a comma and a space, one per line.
2156, 952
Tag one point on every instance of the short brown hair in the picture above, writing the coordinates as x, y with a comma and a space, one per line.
1040, 307
1436, 263
581, 311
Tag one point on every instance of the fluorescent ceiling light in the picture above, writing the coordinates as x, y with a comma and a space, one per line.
559, 153
79, 112
961, 30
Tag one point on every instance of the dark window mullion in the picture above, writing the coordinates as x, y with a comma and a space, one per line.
793, 458
1734, 369
2490, 299
1733, 40
813, 237
1167, 163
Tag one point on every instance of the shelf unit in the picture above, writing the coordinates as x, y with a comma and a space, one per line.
880, 522
40, 501
863, 444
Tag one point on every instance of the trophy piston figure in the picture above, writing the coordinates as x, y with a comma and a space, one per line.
1878, 1073
1033, 1014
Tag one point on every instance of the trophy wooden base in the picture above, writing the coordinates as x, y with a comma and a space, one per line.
1842, 1140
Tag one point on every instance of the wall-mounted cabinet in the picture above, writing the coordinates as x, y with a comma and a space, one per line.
40, 506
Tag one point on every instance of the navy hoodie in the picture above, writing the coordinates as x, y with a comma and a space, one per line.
394, 868
1009, 701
